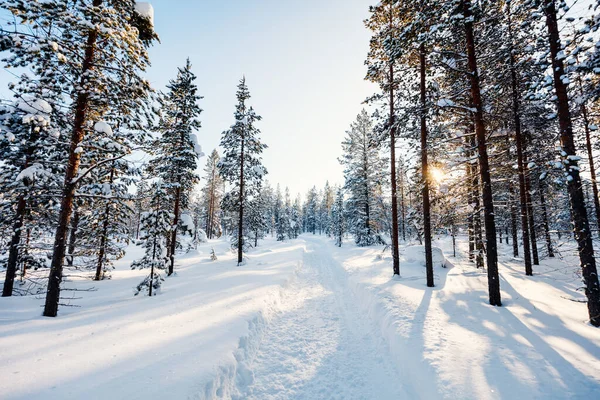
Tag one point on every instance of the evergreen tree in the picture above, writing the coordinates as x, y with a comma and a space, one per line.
241, 164
156, 224
212, 195
338, 225
177, 150
363, 173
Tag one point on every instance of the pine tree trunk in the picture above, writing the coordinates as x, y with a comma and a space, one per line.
484, 168
545, 220
425, 169
66, 206
520, 143
241, 204
13, 253
26, 252
532, 233
470, 197
73, 236
395, 244
513, 222
580, 219
173, 243
402, 204
104, 237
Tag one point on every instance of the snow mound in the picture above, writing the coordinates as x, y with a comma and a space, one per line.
416, 255
145, 10
188, 223
103, 127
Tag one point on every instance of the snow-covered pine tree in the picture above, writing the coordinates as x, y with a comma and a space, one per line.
212, 195
279, 215
65, 45
363, 171
29, 174
156, 224
310, 210
338, 220
177, 150
241, 164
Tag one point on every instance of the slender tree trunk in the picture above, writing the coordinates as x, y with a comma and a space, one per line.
241, 203
513, 222
425, 168
402, 203
580, 218
549, 247
173, 242
470, 198
13, 253
477, 228
532, 233
73, 236
66, 207
520, 144
26, 252
395, 244
102, 250
484, 168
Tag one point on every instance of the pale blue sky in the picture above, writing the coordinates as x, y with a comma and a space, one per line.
303, 61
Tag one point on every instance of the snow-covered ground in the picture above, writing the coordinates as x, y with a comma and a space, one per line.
306, 320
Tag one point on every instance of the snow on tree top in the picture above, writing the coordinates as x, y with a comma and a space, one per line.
197, 147
145, 9
103, 127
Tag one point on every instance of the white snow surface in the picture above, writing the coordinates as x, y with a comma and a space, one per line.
304, 319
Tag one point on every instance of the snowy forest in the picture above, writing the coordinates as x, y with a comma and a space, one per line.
453, 257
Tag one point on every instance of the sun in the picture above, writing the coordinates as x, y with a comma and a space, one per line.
437, 174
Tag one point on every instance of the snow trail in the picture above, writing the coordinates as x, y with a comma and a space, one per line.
321, 346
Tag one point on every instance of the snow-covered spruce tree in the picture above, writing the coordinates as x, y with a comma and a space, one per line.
310, 210
256, 217
280, 216
212, 194
325, 208
29, 175
338, 220
94, 52
296, 218
363, 172
156, 224
241, 164
176, 150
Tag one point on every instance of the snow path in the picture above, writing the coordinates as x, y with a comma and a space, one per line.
321, 346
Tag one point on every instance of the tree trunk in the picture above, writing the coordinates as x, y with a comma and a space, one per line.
104, 237
513, 222
241, 204
520, 143
173, 243
402, 203
484, 168
66, 206
425, 169
580, 218
13, 253
545, 219
395, 244
73, 236
532, 233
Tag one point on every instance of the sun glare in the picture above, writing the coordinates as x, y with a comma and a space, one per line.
437, 174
